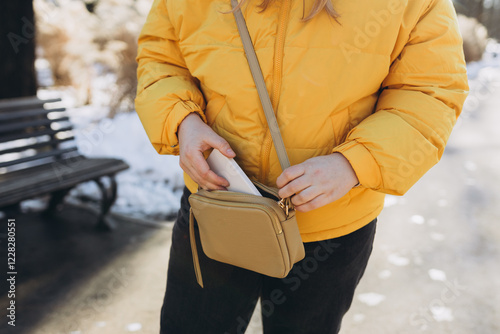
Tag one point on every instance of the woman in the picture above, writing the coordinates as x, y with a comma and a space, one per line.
366, 94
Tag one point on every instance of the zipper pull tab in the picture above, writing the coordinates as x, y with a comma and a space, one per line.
286, 205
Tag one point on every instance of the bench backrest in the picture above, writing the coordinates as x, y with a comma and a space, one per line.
31, 134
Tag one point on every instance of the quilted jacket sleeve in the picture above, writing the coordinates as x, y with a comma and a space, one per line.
166, 91
421, 98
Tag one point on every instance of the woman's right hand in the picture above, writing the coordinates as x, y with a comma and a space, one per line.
195, 137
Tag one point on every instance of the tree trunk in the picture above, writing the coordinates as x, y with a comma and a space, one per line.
495, 21
17, 49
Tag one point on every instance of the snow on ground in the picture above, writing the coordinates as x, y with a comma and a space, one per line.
371, 298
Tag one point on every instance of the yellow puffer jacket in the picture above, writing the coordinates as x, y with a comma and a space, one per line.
384, 88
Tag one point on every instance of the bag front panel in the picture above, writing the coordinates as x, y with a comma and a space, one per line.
241, 235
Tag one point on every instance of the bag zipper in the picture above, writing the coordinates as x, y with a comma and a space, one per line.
273, 191
284, 203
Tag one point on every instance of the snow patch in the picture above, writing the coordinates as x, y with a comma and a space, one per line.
134, 327
390, 200
384, 274
398, 260
358, 317
442, 313
43, 73
371, 298
437, 275
417, 219
30, 205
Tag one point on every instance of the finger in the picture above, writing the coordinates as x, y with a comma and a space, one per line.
221, 144
317, 202
203, 171
295, 186
306, 195
211, 186
204, 183
211, 181
290, 174
215, 180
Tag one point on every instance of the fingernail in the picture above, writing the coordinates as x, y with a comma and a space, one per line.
230, 151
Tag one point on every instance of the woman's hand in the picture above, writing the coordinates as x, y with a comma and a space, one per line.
195, 137
317, 181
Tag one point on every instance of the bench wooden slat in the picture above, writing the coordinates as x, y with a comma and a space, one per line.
75, 165
59, 174
23, 103
22, 135
37, 156
27, 124
31, 182
52, 142
44, 171
60, 170
9, 116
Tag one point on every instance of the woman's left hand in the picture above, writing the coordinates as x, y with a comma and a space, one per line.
317, 181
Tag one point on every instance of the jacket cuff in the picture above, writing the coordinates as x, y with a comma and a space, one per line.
180, 112
366, 168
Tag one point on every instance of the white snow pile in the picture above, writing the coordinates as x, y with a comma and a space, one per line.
398, 260
442, 313
134, 327
437, 275
371, 298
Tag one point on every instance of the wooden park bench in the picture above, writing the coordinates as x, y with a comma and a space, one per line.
38, 156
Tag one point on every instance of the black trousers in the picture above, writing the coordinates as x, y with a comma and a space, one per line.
313, 298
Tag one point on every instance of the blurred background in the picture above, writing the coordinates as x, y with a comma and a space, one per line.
435, 262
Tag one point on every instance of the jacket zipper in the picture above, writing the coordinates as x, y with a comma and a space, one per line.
278, 63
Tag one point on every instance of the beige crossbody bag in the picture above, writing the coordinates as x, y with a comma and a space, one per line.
248, 231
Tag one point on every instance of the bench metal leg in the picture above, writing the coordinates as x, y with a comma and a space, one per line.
56, 202
108, 195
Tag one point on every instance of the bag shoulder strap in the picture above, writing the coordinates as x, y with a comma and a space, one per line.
253, 62
194, 249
